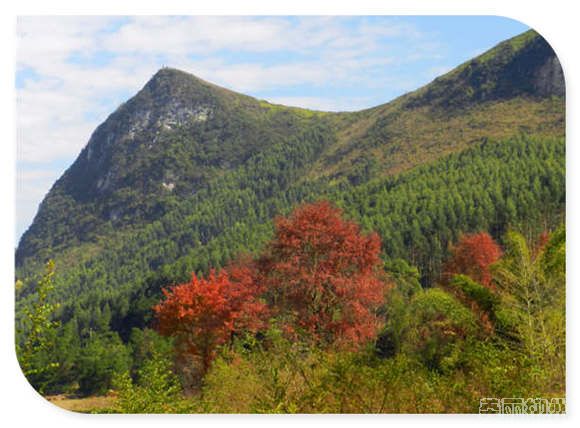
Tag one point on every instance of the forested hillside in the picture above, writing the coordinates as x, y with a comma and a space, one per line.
186, 177
179, 135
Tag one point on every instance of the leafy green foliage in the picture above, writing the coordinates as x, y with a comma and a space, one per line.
36, 354
482, 301
156, 390
476, 292
532, 284
186, 176
406, 284
437, 328
416, 214
286, 377
103, 357
446, 363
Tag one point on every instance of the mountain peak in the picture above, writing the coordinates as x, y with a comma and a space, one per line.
175, 82
523, 66
165, 72
172, 75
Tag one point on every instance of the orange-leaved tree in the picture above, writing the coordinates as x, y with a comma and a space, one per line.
468, 275
205, 312
322, 276
472, 255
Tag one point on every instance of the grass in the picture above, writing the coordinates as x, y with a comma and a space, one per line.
90, 404
414, 137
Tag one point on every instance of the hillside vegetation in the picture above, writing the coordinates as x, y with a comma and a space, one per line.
187, 177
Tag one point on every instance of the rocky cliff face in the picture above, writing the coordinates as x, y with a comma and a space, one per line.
549, 78
169, 101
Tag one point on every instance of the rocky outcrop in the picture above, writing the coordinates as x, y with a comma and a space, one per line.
549, 78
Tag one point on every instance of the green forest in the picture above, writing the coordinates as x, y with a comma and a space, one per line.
512, 189
408, 258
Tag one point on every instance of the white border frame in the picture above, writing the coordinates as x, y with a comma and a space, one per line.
555, 20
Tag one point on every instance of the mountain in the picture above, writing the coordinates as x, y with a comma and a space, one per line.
173, 137
186, 175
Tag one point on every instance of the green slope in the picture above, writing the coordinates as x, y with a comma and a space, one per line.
179, 133
187, 175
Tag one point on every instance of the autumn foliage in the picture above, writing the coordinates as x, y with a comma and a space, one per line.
319, 277
322, 275
473, 255
204, 313
468, 275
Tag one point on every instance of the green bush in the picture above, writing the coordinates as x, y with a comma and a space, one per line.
155, 390
101, 359
437, 327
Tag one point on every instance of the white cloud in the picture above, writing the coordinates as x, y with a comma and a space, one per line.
186, 35
46, 42
252, 77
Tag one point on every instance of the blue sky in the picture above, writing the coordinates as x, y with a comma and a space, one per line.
72, 72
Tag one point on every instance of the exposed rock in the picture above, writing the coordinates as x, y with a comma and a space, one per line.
115, 214
549, 78
168, 186
104, 183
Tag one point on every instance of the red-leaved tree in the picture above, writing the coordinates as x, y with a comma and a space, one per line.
322, 276
205, 312
472, 255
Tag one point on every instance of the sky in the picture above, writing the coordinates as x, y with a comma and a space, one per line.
72, 72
